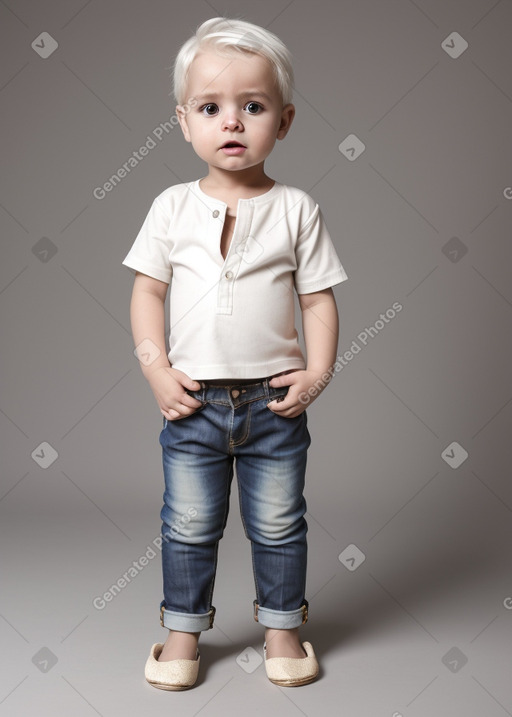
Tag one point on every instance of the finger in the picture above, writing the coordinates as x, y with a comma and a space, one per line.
181, 410
187, 410
177, 412
190, 383
280, 406
190, 401
280, 381
286, 379
291, 412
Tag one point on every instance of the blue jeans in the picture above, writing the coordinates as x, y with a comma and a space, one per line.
234, 428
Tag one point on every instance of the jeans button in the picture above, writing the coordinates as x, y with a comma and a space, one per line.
235, 393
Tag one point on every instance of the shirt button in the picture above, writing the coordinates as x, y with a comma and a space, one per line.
228, 274
215, 213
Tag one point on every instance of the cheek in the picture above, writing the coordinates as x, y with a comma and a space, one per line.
268, 136
202, 148
269, 131
200, 135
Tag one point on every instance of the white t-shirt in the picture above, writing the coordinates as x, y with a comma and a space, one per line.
234, 317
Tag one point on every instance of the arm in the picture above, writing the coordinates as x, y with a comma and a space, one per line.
320, 326
147, 316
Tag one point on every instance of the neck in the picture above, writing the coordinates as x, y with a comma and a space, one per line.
234, 181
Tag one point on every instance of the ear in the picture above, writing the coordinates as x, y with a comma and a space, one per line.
287, 116
181, 113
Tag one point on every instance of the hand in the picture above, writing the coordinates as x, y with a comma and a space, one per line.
299, 381
168, 385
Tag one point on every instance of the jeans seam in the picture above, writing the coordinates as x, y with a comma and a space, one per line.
254, 572
224, 521
240, 442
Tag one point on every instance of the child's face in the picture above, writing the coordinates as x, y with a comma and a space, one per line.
237, 99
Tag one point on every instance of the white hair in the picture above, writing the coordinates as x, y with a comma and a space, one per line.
226, 34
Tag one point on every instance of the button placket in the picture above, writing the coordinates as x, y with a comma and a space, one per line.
234, 257
215, 225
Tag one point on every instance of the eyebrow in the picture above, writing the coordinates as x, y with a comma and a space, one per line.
214, 95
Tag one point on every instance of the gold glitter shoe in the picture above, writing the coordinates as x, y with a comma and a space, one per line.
292, 671
171, 675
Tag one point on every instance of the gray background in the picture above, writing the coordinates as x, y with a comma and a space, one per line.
434, 590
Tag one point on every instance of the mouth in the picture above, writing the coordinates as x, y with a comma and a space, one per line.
232, 143
232, 148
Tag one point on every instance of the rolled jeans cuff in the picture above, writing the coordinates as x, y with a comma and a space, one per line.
185, 621
281, 619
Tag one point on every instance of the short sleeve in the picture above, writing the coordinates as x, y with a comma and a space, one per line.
150, 250
318, 265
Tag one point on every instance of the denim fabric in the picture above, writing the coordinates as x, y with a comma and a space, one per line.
233, 430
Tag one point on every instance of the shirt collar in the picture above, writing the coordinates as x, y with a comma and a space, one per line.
265, 197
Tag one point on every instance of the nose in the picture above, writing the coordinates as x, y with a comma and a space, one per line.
231, 120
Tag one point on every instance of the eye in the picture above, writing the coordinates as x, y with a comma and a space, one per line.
210, 109
253, 108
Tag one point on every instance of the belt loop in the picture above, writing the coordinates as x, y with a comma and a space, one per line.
203, 388
267, 387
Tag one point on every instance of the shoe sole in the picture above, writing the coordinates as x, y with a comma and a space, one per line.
171, 688
294, 683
